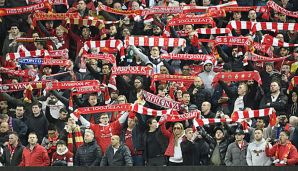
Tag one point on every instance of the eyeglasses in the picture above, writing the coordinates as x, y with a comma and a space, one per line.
176, 128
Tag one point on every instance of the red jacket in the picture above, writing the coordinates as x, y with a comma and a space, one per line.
103, 133
170, 149
280, 151
37, 157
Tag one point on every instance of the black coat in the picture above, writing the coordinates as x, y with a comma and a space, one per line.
279, 105
20, 127
187, 148
16, 158
89, 154
201, 152
122, 157
39, 125
201, 96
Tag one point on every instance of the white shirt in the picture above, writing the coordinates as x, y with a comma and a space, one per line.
239, 103
177, 158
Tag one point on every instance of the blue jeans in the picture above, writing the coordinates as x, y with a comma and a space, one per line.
138, 160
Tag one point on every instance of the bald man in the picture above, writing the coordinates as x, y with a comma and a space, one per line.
117, 154
207, 113
198, 93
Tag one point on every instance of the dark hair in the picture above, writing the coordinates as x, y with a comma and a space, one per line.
286, 132
38, 104
20, 105
60, 142
63, 110
34, 133
185, 92
149, 121
52, 127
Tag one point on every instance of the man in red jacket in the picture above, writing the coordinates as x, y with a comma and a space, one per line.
34, 154
104, 130
284, 152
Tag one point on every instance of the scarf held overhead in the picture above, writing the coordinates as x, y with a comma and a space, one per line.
139, 70
22, 86
25, 9
71, 84
155, 41
237, 76
161, 101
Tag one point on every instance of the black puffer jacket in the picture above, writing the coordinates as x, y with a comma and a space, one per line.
89, 154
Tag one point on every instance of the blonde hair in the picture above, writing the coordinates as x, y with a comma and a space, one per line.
181, 134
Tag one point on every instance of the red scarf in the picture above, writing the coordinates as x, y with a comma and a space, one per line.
237, 76
139, 70
53, 16
165, 77
282, 10
22, 86
25, 9
191, 20
155, 41
70, 84
108, 57
27, 73
255, 114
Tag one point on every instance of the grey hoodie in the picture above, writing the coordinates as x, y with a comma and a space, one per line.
256, 155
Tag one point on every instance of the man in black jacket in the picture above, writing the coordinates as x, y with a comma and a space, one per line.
117, 154
12, 153
89, 154
38, 122
275, 99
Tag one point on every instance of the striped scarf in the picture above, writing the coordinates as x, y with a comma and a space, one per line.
78, 139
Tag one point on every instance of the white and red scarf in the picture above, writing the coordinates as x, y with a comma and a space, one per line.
70, 84
161, 101
155, 41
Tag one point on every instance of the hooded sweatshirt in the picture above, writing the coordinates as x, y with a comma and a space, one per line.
256, 155
207, 77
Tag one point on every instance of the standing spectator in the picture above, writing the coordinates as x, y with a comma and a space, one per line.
50, 141
284, 152
155, 144
72, 135
89, 154
38, 122
15, 125
256, 155
175, 137
105, 130
62, 157
117, 154
292, 109
4, 132
12, 153
275, 99
132, 136
236, 152
207, 75
34, 154
187, 146
218, 146
198, 93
